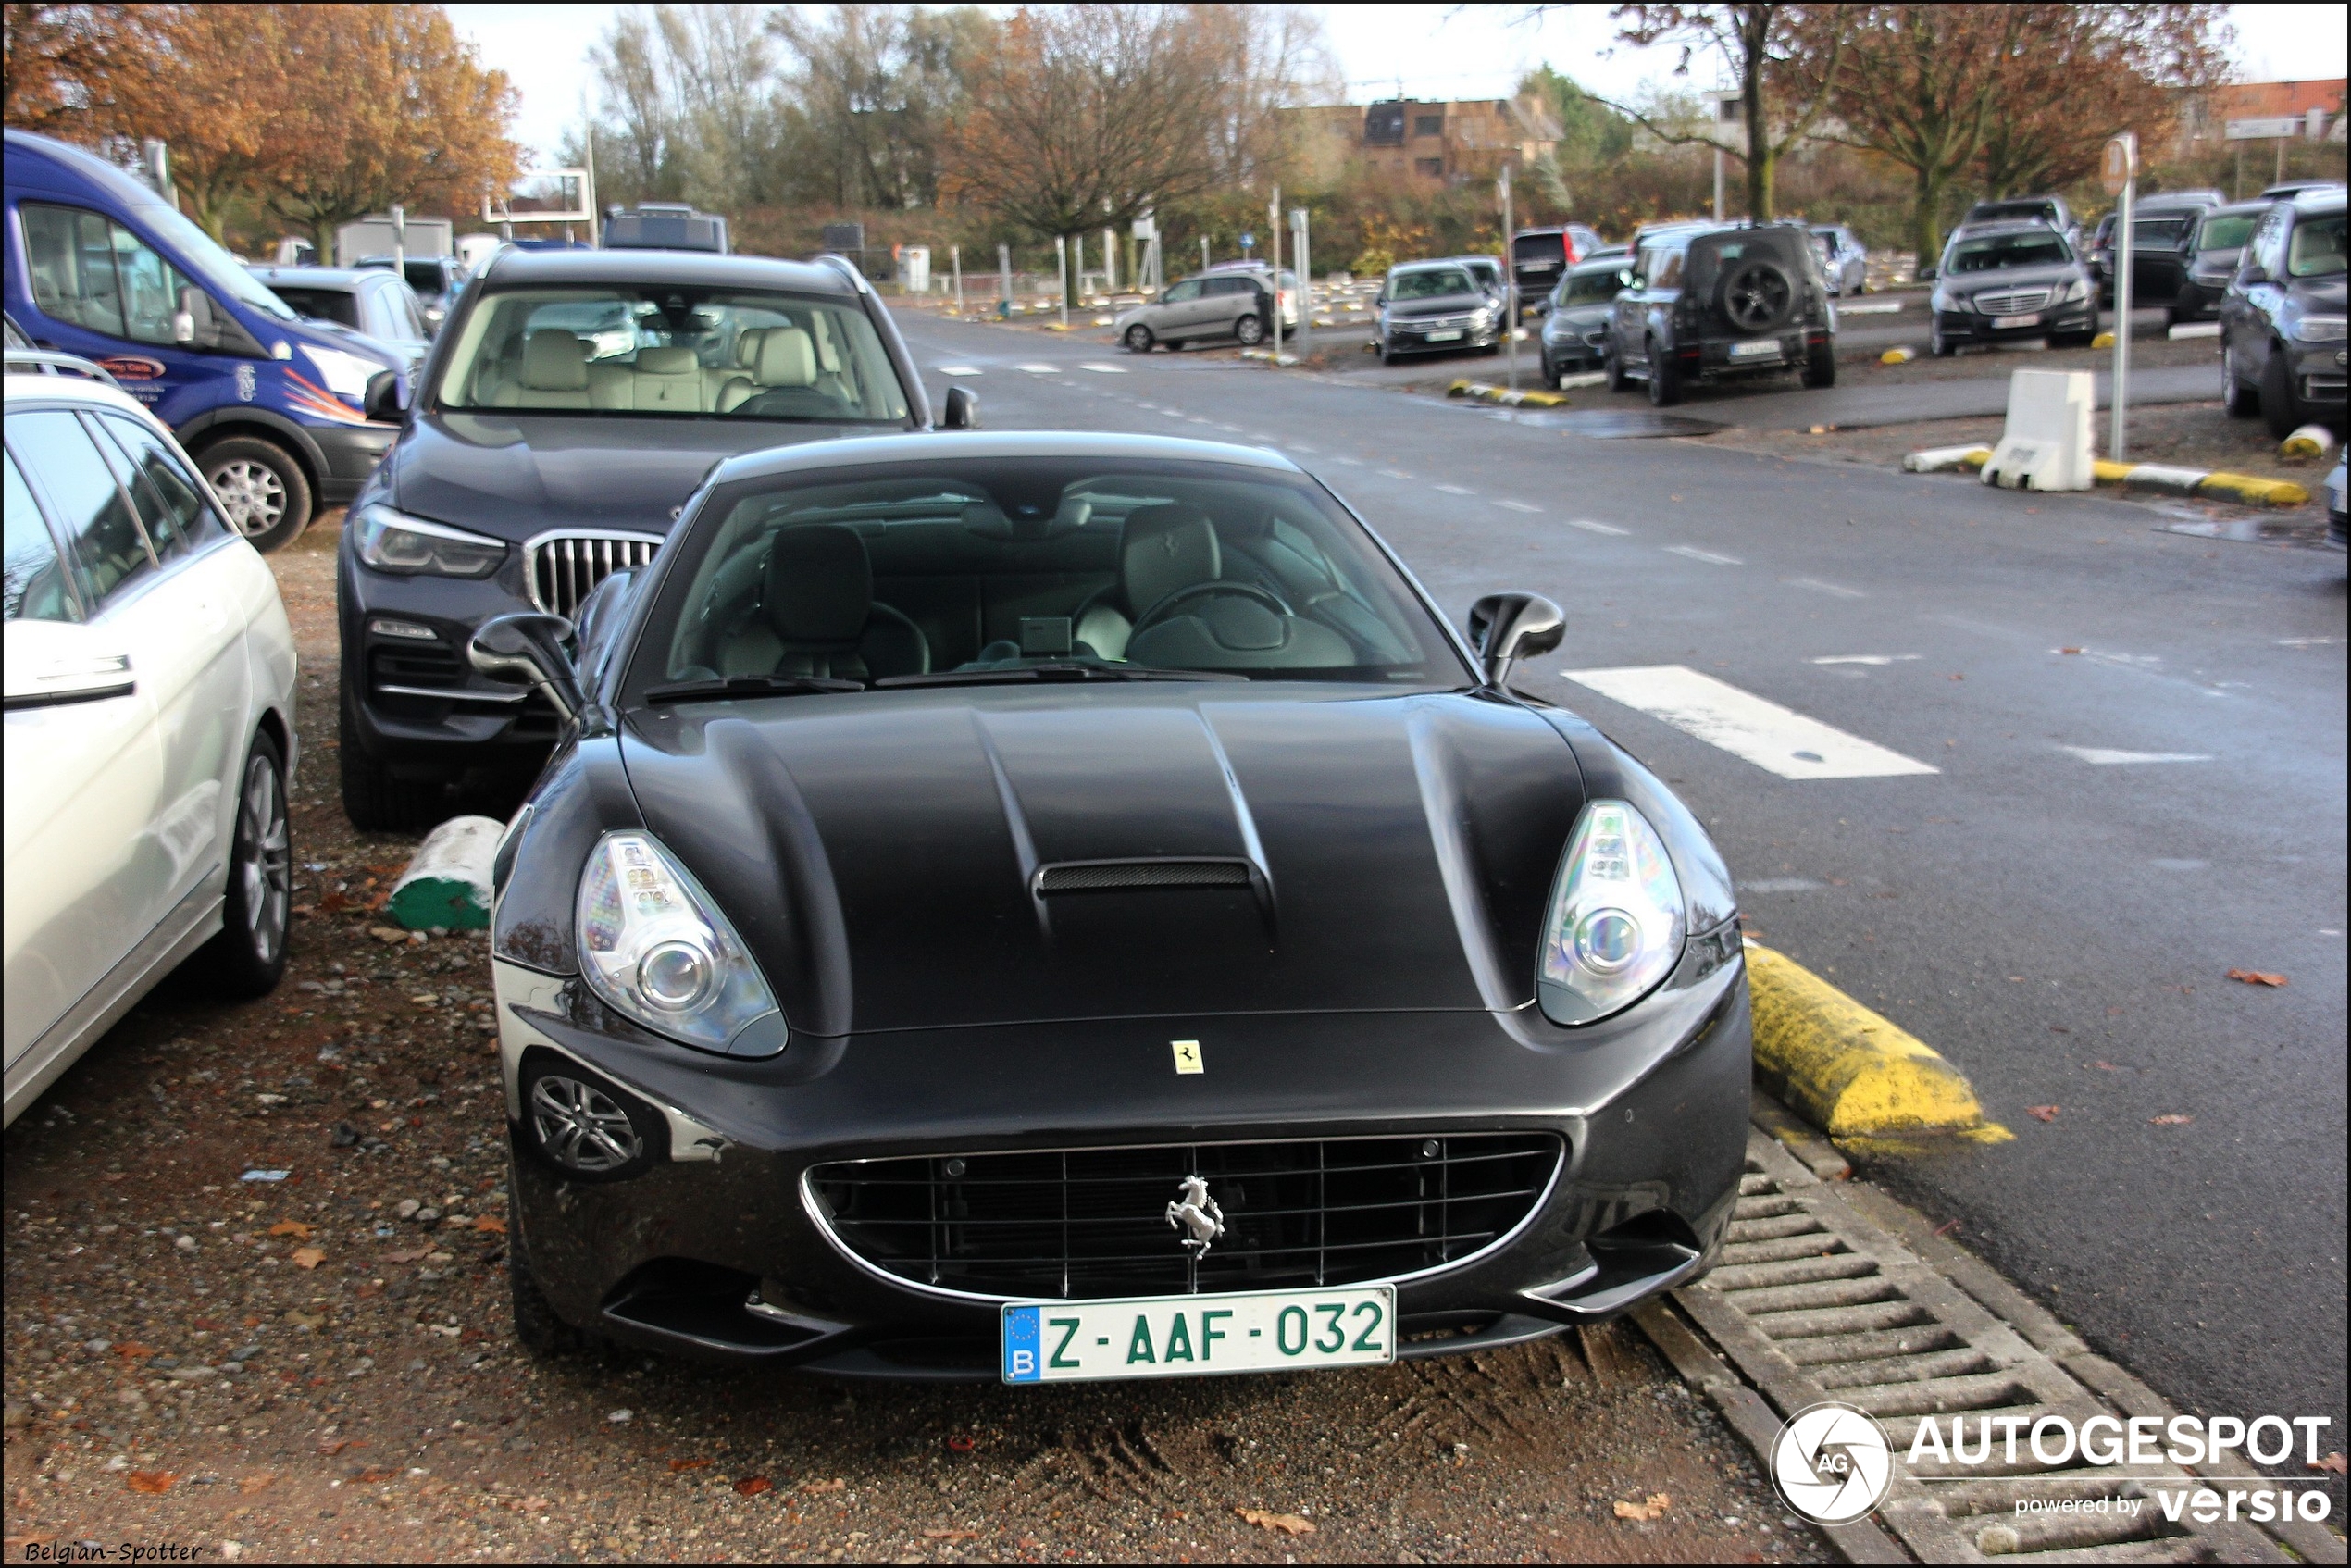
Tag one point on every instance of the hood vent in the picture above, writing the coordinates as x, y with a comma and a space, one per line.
1127, 876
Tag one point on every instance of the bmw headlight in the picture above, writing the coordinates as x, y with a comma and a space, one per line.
396, 542
2320, 329
654, 947
1618, 920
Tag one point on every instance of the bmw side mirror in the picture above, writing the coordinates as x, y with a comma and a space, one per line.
1926, 274
963, 410
383, 401
2253, 273
528, 650
1506, 627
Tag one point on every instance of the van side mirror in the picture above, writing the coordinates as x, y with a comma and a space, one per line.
963, 410
193, 324
1506, 627
383, 402
528, 650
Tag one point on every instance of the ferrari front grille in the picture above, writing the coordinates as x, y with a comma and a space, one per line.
1092, 1223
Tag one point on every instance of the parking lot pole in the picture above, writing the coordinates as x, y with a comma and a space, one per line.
1061, 267
2122, 173
1510, 284
1274, 222
1004, 276
1301, 262
955, 255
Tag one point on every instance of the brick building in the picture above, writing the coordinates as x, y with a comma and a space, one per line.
1433, 143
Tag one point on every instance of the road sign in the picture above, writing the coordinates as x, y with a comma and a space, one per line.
1248, 241
1146, 228
2265, 130
2121, 164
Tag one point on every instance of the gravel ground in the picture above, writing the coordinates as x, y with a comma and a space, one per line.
320, 1367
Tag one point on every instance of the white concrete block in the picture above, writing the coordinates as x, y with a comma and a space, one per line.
2046, 443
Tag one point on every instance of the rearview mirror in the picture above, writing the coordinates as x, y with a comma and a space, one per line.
528, 650
383, 401
1506, 627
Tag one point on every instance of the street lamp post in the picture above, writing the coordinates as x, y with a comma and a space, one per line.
1509, 285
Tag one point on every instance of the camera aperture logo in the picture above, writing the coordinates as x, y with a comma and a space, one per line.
1832, 1463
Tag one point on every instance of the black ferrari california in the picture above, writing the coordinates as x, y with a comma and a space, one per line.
1051, 907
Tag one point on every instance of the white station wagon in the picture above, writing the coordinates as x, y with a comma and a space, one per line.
150, 678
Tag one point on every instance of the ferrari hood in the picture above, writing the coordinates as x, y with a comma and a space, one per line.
951, 857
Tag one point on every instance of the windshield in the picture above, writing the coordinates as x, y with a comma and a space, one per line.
2316, 250
202, 255
621, 350
2226, 233
1992, 252
2165, 232
1436, 283
1594, 288
986, 569
1993, 212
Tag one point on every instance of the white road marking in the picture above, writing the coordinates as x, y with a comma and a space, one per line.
1862, 658
1695, 554
1588, 526
2101, 756
2307, 642
1039, 369
1517, 506
1455, 490
2179, 864
1302, 446
1775, 739
1105, 369
1351, 462
1394, 474
1229, 430
1780, 885
1875, 308
959, 370
1817, 586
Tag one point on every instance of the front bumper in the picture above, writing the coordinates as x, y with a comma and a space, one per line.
1651, 1109
2318, 378
1401, 339
2079, 318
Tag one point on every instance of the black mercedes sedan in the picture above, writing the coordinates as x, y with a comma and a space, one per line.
2003, 282
1048, 906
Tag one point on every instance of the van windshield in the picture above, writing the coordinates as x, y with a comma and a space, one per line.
202, 255
625, 349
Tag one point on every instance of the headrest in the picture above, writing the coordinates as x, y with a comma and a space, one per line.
747, 347
785, 360
665, 362
552, 360
820, 587
1165, 548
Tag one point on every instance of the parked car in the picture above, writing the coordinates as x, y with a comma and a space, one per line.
549, 448
1723, 302
2050, 210
1575, 317
2281, 332
2214, 253
435, 279
1263, 273
1539, 256
2098, 251
98, 265
1211, 304
2163, 252
1488, 272
2289, 188
1433, 305
1847, 267
150, 696
1035, 706
663, 226
369, 301
2000, 282
2166, 235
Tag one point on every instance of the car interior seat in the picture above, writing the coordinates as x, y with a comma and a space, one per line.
1160, 549
783, 378
554, 374
816, 614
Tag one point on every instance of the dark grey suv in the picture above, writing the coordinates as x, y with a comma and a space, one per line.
1721, 304
2282, 320
570, 407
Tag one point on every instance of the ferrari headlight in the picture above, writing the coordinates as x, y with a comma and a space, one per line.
654, 947
1617, 917
393, 542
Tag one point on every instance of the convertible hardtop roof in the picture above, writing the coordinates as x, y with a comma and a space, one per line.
521, 268
869, 454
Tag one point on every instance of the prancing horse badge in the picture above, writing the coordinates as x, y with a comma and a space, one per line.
1187, 1056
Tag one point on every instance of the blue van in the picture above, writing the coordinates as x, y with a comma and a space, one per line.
271, 406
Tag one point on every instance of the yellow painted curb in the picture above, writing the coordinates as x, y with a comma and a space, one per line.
1848, 1071
1895, 356
1482, 393
2258, 492
2104, 340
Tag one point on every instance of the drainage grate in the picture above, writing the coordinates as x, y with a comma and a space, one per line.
1813, 1300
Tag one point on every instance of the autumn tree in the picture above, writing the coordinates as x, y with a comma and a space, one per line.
2088, 72
77, 70
870, 93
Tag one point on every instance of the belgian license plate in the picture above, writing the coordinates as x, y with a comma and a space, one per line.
2002, 323
1756, 350
1195, 1335
1444, 337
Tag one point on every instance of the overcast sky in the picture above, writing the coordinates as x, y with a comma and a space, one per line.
1439, 51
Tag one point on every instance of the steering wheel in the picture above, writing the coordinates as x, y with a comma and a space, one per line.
1166, 607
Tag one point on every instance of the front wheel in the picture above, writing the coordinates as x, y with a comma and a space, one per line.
1819, 366
2277, 394
1665, 382
1936, 343
262, 489
1612, 366
1249, 331
248, 957
2236, 398
1139, 338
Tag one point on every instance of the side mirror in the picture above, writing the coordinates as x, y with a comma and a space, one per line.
1543, 306
2253, 272
192, 324
1506, 627
383, 401
528, 650
963, 410
184, 328
1926, 274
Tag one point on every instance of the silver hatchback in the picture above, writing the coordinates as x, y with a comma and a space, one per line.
1214, 304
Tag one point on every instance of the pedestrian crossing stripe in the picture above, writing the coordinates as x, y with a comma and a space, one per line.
1777, 739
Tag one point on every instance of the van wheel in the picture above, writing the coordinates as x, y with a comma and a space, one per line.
262, 489
1249, 331
249, 955
1665, 382
373, 799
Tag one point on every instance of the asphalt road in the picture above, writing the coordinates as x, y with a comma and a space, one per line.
2059, 922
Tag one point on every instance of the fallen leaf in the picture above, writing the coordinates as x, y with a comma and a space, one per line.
408, 1254
336, 1446
833, 1486
2041, 1113
491, 1222
2332, 1464
370, 1476
2106, 1066
964, 1535
962, 1442
258, 1481
752, 1485
2069, 650
290, 1228
1288, 1523
301, 1319
2257, 977
677, 1464
2173, 1120
1653, 1507
133, 1350
2060, 1030
309, 1257
151, 1483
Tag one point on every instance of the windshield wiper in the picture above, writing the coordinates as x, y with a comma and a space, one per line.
1051, 673
748, 686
